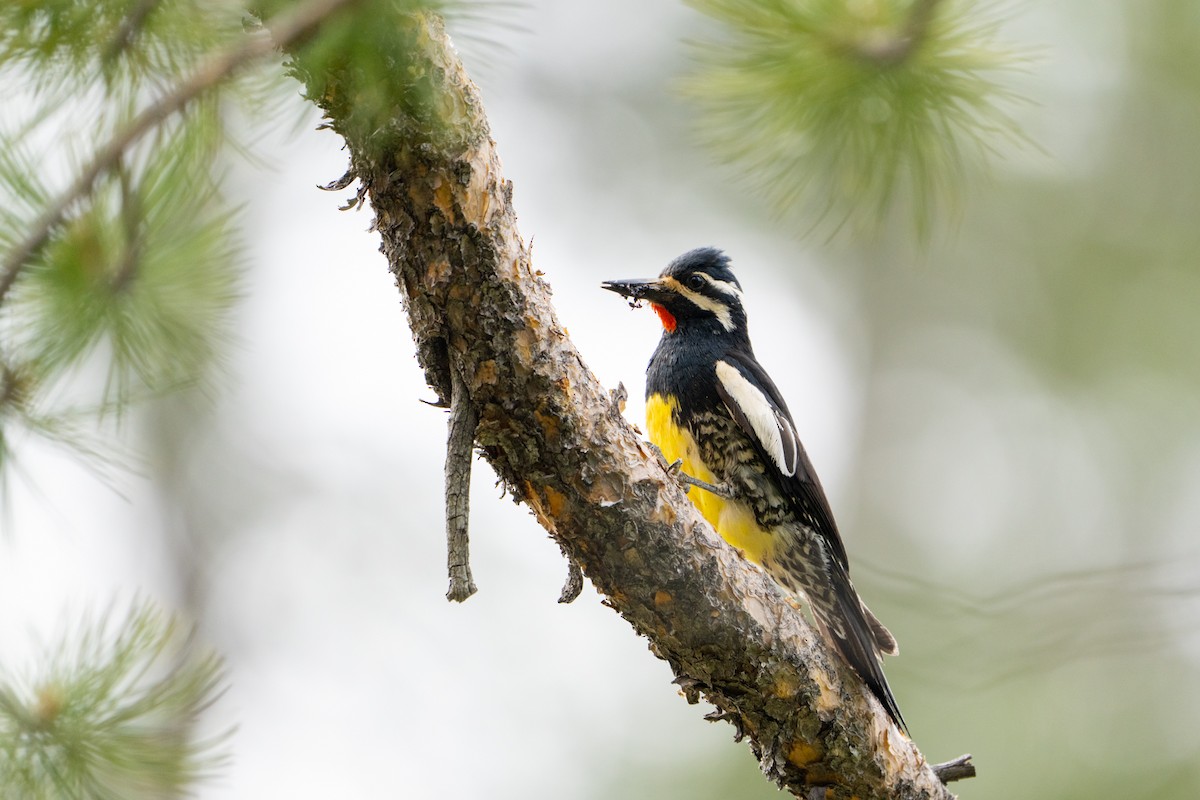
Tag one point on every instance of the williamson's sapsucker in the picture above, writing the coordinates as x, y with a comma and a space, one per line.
712, 407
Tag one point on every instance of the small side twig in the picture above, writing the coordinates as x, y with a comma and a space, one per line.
460, 443
349, 177
574, 584
617, 398
956, 770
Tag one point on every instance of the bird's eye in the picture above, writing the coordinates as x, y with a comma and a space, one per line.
695, 283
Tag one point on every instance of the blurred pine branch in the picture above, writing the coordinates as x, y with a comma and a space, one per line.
112, 714
132, 259
119, 249
844, 111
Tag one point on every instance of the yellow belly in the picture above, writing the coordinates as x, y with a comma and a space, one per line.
733, 520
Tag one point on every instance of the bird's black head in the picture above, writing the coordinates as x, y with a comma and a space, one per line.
696, 291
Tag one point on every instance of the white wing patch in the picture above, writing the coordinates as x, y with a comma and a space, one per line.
771, 428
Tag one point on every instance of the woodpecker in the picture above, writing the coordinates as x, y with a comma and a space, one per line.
712, 409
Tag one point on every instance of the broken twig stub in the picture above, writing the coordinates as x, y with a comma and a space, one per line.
460, 442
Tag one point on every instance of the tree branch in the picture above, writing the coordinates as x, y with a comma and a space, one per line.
287, 29
460, 446
574, 583
449, 233
957, 769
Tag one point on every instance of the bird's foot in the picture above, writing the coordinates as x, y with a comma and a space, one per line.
675, 470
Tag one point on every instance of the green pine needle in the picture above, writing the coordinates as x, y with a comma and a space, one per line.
146, 268
138, 270
127, 43
113, 714
843, 109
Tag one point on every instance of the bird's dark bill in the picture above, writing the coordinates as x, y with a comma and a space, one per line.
636, 291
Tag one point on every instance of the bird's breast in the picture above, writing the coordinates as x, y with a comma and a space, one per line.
734, 519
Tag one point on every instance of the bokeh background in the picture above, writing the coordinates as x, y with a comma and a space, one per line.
1005, 415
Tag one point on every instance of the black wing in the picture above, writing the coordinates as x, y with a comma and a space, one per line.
763, 416
754, 402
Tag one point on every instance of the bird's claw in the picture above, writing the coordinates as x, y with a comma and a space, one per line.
675, 470
719, 489
686, 482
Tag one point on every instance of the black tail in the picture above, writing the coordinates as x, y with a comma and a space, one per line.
859, 637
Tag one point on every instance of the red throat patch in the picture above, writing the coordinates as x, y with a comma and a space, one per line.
668, 319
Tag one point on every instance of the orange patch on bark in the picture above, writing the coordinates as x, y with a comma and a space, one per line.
556, 501
549, 423
486, 373
801, 754
443, 198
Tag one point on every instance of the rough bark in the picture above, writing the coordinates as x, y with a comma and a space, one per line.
477, 306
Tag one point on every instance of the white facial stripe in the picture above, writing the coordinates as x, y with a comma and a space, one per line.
725, 287
718, 309
760, 414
